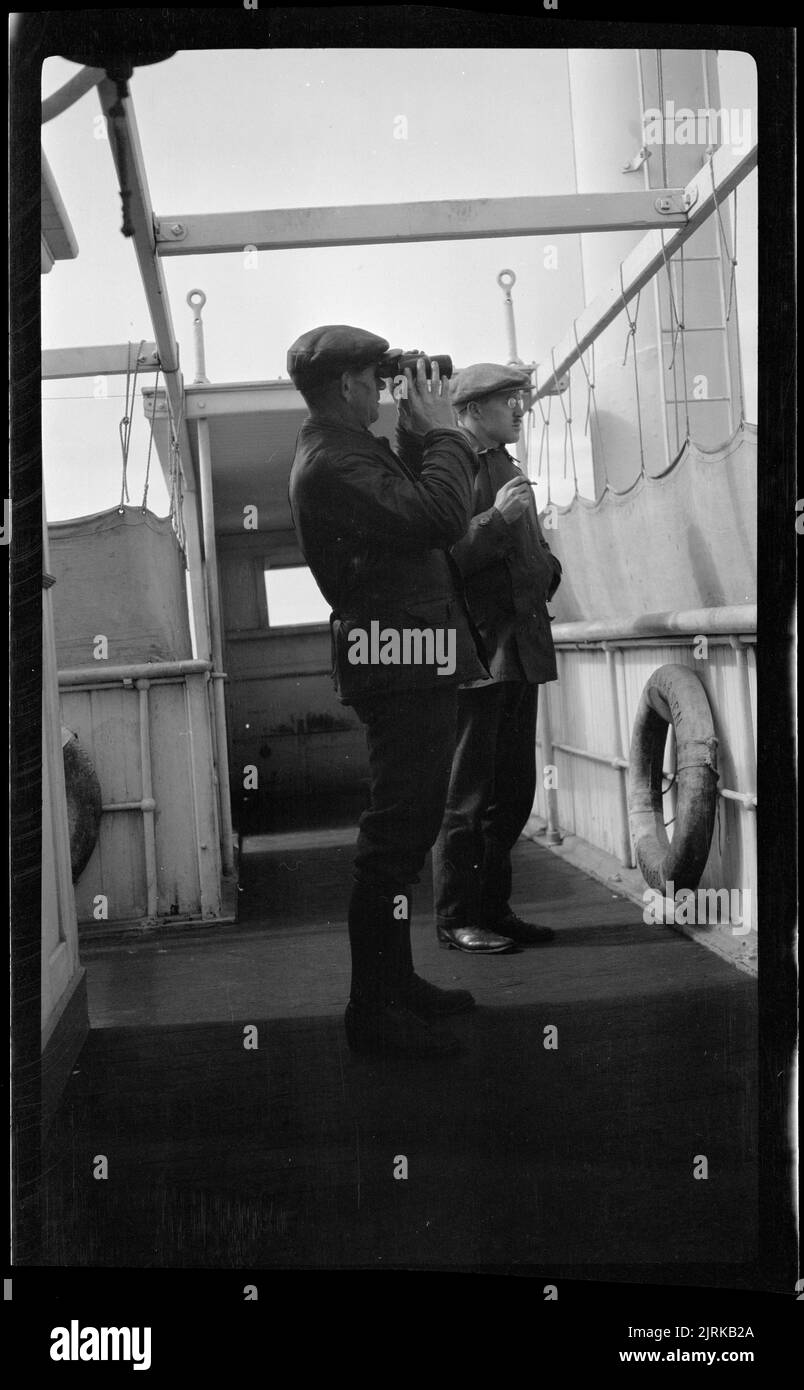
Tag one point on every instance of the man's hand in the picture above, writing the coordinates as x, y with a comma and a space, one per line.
513, 499
426, 405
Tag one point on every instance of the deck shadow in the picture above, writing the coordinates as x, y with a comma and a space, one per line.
517, 1154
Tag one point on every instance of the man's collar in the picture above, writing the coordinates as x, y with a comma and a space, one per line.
481, 451
333, 422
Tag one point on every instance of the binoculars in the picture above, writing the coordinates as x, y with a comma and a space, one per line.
394, 364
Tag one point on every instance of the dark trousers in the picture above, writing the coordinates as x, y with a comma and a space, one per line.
411, 739
490, 797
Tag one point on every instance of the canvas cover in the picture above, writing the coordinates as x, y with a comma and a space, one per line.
122, 576
687, 539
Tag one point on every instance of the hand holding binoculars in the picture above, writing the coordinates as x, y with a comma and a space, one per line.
395, 363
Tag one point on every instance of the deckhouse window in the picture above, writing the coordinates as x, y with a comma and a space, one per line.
293, 598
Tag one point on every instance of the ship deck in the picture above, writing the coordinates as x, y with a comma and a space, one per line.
578, 1161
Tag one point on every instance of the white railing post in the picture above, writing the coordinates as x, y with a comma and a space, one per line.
147, 804
553, 833
216, 634
621, 752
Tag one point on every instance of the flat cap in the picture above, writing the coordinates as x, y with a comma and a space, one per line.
324, 352
485, 379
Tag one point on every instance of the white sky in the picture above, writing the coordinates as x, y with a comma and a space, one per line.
236, 130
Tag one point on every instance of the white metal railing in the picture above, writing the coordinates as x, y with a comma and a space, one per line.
733, 626
140, 676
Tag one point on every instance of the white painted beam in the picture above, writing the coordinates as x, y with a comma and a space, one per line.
241, 398
71, 92
57, 230
455, 220
729, 169
126, 151
124, 143
111, 360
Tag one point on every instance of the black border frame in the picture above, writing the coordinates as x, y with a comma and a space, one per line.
140, 32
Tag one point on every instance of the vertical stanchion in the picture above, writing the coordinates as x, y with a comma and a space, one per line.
195, 569
196, 300
553, 833
747, 817
214, 608
622, 772
148, 803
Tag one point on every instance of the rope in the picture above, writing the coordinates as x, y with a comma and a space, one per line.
684, 350
672, 363
590, 385
732, 257
175, 494
150, 444
677, 324
175, 475
631, 338
724, 239
545, 436
176, 500
117, 112
591, 399
567, 421
124, 428
733, 277
660, 79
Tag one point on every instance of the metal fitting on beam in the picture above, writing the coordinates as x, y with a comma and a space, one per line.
506, 281
642, 155
672, 201
196, 300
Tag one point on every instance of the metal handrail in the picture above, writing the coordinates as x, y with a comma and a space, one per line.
141, 670
732, 620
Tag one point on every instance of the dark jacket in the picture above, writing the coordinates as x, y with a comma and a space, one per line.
509, 573
376, 538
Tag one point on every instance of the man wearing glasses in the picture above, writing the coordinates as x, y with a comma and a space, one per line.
509, 574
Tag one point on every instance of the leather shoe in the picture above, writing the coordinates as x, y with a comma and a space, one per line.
428, 1001
395, 1031
524, 933
475, 939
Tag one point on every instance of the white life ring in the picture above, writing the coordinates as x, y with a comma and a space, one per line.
673, 694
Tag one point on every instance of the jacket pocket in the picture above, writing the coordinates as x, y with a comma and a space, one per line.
431, 612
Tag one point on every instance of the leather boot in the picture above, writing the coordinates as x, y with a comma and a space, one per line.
377, 1019
420, 996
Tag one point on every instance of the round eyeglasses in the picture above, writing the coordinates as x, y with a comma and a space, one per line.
516, 399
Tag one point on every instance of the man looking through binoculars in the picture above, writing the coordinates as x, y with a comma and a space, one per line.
376, 536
